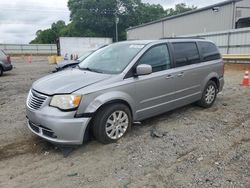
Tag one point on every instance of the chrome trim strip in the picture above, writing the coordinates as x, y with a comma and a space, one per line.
167, 102
172, 93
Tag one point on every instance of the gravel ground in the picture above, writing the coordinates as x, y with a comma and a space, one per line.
187, 147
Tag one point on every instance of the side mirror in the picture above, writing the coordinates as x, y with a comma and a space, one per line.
143, 69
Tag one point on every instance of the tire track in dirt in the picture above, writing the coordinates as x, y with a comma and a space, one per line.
33, 145
237, 123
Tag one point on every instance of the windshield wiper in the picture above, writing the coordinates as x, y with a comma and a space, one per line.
89, 69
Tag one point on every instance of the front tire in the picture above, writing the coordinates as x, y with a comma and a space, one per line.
209, 95
111, 123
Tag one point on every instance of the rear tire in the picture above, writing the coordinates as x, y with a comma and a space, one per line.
209, 95
1, 71
111, 123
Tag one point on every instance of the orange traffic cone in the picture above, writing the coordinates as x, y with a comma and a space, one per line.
245, 81
30, 59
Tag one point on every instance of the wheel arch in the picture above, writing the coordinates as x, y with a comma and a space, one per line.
217, 82
110, 98
212, 76
88, 135
115, 101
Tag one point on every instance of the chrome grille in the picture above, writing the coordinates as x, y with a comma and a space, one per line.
35, 100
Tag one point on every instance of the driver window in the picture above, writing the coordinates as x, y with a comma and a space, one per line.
157, 57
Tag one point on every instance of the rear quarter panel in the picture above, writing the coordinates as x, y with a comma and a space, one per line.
216, 70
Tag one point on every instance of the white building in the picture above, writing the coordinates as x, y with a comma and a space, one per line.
226, 15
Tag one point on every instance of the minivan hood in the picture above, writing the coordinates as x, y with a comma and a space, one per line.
61, 64
68, 81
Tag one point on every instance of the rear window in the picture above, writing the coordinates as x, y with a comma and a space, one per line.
186, 53
209, 51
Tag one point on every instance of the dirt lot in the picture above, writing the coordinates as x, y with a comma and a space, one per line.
196, 147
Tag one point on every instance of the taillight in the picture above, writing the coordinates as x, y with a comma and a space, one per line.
8, 59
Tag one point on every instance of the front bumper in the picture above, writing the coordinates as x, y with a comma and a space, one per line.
56, 126
7, 67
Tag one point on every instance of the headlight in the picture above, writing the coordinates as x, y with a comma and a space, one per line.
66, 102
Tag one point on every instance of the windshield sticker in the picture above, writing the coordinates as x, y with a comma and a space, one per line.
138, 46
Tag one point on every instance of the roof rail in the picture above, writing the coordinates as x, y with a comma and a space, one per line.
181, 38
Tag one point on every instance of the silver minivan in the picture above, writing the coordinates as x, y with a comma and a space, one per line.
123, 83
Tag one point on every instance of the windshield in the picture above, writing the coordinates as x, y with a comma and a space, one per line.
83, 56
112, 59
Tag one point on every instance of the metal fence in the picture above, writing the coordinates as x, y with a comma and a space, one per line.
236, 41
34, 49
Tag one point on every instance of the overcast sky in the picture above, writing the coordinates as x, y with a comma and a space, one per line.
20, 19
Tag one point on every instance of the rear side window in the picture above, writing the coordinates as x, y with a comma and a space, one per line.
186, 53
209, 51
157, 57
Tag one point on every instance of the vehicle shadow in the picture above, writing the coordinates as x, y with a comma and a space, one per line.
179, 111
41, 146
7, 74
167, 115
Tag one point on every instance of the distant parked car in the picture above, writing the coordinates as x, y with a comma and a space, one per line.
5, 62
72, 63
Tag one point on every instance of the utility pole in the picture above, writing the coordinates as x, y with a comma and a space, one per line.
116, 27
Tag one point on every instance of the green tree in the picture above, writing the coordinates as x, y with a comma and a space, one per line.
179, 9
96, 18
48, 36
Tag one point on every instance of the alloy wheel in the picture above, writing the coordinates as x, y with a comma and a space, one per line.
210, 94
117, 124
